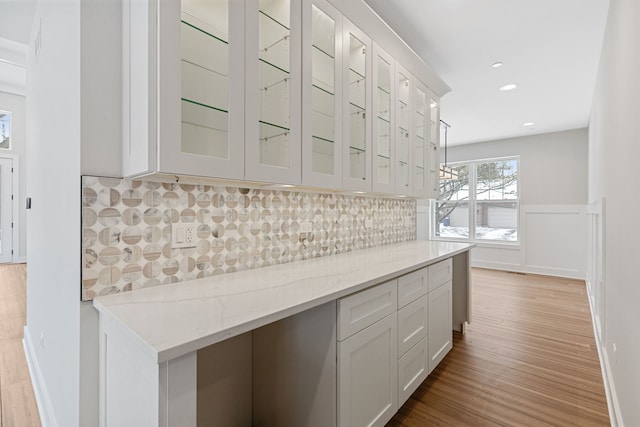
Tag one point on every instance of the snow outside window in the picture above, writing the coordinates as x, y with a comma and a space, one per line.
482, 204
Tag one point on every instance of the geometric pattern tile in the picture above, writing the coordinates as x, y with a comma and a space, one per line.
126, 230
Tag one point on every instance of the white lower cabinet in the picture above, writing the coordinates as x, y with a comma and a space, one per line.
367, 375
440, 323
412, 370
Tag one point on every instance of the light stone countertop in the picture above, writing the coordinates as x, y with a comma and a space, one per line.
169, 321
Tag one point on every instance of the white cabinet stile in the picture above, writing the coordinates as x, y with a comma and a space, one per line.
440, 324
322, 94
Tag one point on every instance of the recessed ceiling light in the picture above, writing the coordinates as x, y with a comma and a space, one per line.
496, 64
510, 86
528, 124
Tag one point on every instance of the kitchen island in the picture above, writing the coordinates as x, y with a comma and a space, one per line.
236, 348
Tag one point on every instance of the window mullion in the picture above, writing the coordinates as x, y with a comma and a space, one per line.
472, 200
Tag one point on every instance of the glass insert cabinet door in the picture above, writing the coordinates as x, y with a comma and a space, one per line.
420, 149
433, 158
202, 133
383, 120
273, 91
321, 94
404, 84
357, 108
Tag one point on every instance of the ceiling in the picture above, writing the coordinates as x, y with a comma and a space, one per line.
15, 19
549, 48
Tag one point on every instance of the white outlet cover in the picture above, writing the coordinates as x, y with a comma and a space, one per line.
306, 227
183, 236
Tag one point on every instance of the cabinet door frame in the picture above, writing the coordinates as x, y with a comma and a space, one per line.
254, 170
425, 190
433, 160
309, 177
348, 347
400, 188
349, 183
379, 187
170, 157
440, 325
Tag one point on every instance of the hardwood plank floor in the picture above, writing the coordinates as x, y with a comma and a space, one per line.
528, 358
17, 402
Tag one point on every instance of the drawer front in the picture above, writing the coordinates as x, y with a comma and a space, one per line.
412, 286
412, 370
360, 310
412, 324
439, 273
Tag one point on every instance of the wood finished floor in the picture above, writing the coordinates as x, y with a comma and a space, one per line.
17, 401
528, 359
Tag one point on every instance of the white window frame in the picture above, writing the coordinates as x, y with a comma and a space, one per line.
472, 164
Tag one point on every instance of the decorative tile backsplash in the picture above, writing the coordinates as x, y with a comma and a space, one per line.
126, 230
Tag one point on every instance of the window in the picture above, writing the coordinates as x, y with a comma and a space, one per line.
481, 204
5, 130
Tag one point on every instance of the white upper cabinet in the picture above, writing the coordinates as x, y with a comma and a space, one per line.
183, 111
384, 91
321, 95
273, 91
433, 146
404, 131
277, 91
356, 117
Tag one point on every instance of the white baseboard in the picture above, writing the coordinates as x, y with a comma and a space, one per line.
45, 408
491, 265
20, 260
615, 416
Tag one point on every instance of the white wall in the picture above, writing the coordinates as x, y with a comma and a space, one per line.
16, 104
614, 132
53, 182
553, 197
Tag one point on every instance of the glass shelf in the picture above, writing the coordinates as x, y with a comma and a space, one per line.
271, 18
386, 120
204, 130
274, 142
322, 51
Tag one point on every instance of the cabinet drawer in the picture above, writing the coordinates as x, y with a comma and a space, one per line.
360, 310
412, 370
412, 286
412, 324
439, 273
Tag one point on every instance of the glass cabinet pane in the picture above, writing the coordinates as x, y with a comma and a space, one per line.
274, 43
323, 60
204, 44
419, 141
402, 139
357, 111
383, 120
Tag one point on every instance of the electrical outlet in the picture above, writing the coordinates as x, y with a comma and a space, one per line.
183, 236
306, 227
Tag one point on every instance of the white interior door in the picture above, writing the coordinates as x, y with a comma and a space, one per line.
6, 210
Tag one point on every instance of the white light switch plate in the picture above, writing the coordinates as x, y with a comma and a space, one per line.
183, 236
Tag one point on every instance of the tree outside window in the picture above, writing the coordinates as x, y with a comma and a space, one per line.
482, 204
5, 130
